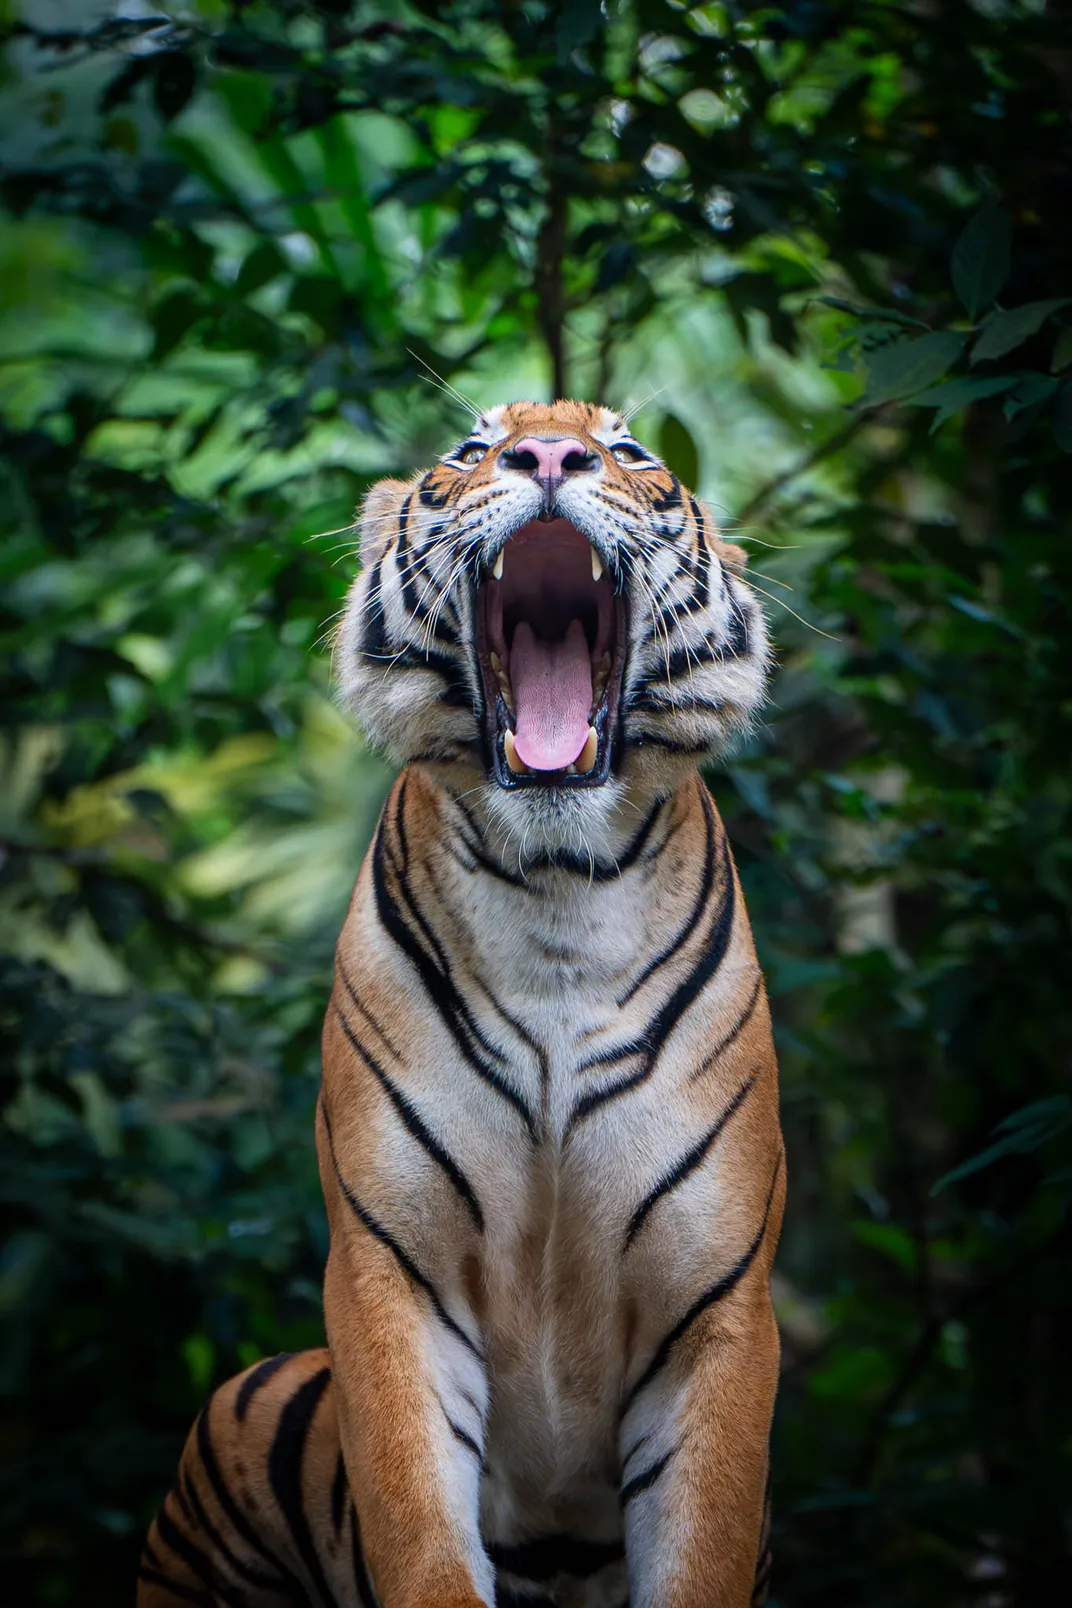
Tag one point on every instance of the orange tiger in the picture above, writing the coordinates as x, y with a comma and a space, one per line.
548, 1129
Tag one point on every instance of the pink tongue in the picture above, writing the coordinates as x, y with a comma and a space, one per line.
552, 685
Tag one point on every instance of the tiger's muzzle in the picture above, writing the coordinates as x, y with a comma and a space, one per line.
551, 629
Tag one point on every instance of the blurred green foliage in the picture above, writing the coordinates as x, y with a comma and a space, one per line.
832, 240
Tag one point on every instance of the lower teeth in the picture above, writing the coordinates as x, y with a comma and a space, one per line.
581, 766
587, 757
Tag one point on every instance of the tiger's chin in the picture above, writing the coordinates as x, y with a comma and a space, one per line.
551, 823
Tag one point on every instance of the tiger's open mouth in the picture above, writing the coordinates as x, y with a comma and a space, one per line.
551, 633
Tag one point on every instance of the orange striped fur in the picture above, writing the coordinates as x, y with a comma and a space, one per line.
548, 1130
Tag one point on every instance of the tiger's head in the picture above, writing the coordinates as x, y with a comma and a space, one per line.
549, 617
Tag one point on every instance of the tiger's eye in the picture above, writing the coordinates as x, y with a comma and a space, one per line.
625, 454
471, 454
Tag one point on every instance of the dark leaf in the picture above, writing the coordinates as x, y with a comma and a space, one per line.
904, 367
981, 259
1002, 332
1025, 1130
174, 82
173, 318
678, 450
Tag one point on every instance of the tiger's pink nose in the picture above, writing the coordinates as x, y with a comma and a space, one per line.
551, 460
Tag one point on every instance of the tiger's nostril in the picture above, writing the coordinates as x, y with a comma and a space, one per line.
518, 458
574, 461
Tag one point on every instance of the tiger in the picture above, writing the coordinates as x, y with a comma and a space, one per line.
547, 1129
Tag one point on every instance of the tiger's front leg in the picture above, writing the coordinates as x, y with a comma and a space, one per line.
410, 1386
695, 1431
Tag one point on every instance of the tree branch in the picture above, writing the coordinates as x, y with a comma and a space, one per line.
550, 250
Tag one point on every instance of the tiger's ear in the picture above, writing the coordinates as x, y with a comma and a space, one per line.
377, 518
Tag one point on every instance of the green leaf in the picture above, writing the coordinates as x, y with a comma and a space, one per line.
1025, 1130
981, 258
1030, 390
678, 450
264, 263
956, 394
1062, 351
889, 1240
887, 315
174, 82
904, 367
172, 318
1004, 331
975, 611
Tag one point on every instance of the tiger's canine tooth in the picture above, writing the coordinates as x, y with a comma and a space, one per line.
587, 757
513, 759
497, 567
597, 564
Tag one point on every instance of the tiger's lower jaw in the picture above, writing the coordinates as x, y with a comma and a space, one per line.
591, 768
586, 825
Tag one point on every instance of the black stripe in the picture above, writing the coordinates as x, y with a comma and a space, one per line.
485, 861
374, 620
549, 1555
703, 562
428, 497
672, 498
410, 1118
651, 1041
507, 1597
463, 1438
602, 871
715, 1292
257, 1377
699, 904
655, 739
404, 569
445, 629
687, 1163
734, 1032
641, 1440
187, 1510
361, 1574
671, 614
458, 693
684, 660
740, 638
252, 1576
285, 1471
405, 1262
182, 1593
437, 979
340, 1490
470, 1401
644, 1481
230, 1507
649, 703
196, 1560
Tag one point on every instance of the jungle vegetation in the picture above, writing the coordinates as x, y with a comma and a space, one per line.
825, 249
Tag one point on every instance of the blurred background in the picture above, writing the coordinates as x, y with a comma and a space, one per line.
826, 250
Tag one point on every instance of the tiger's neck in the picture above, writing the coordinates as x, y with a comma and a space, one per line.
565, 919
